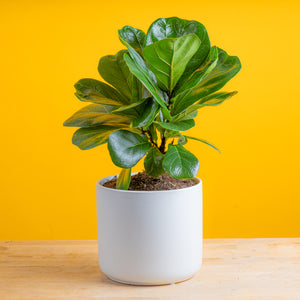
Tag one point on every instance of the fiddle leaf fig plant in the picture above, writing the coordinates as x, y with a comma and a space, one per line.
153, 91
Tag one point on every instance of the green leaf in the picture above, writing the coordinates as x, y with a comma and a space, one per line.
143, 112
178, 126
187, 83
182, 140
96, 114
123, 180
127, 148
148, 114
190, 113
133, 37
137, 89
134, 109
91, 90
211, 100
171, 134
180, 163
227, 67
184, 88
153, 163
152, 130
203, 141
173, 28
216, 98
138, 67
87, 138
114, 70
169, 57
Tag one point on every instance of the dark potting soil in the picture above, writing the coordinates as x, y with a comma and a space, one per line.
143, 182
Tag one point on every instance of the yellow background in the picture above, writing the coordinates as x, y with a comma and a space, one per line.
48, 185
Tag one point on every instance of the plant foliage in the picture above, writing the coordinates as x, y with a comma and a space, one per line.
153, 92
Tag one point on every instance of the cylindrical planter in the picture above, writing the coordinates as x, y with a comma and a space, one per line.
149, 237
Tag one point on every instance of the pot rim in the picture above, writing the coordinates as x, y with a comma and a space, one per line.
107, 178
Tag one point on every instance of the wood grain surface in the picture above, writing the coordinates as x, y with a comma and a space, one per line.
232, 269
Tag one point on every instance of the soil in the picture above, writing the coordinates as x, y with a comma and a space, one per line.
143, 182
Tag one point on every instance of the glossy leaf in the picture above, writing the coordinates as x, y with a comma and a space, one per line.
115, 71
185, 88
138, 67
153, 163
180, 163
203, 141
227, 67
91, 90
173, 28
148, 114
152, 130
138, 91
187, 83
215, 99
87, 138
134, 109
123, 180
169, 57
96, 114
142, 112
211, 100
127, 148
186, 115
133, 37
178, 126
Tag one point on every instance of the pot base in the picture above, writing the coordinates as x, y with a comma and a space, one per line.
147, 284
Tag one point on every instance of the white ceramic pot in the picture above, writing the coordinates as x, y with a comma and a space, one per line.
149, 237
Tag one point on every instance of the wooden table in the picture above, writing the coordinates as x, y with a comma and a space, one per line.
232, 269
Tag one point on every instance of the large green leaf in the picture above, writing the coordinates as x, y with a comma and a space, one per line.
142, 112
153, 163
215, 99
180, 163
173, 28
148, 114
169, 57
227, 67
91, 90
187, 83
177, 126
123, 180
138, 67
96, 114
133, 37
87, 138
133, 109
127, 148
186, 115
211, 100
203, 141
115, 71
137, 89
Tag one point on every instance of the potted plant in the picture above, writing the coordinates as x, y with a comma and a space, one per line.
150, 224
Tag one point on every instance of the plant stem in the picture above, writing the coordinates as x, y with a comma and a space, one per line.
151, 139
162, 145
